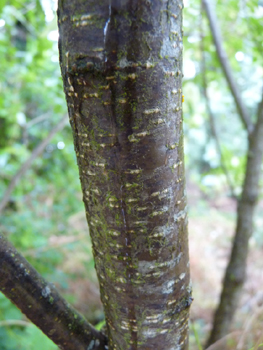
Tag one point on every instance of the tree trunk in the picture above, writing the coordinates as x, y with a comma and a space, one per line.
236, 270
121, 64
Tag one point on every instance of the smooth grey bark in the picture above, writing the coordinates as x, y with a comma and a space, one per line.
236, 270
121, 63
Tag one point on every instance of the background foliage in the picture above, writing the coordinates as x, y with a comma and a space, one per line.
44, 217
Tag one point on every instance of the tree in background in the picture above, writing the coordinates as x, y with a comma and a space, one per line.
241, 41
236, 270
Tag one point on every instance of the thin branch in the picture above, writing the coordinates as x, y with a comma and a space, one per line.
222, 343
43, 305
38, 119
36, 152
260, 112
31, 123
255, 153
19, 323
55, 243
211, 114
216, 34
247, 329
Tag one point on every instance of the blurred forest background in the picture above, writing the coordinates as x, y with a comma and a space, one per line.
44, 215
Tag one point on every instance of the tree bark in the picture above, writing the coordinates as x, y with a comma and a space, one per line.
43, 305
121, 64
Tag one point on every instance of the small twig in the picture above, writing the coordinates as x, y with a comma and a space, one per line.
43, 305
259, 343
36, 152
68, 240
260, 112
19, 323
196, 335
31, 123
222, 342
247, 328
36, 120
216, 34
211, 114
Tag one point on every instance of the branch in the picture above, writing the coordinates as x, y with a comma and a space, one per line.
216, 34
19, 323
43, 305
54, 242
38, 119
236, 270
260, 112
252, 179
36, 152
211, 115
